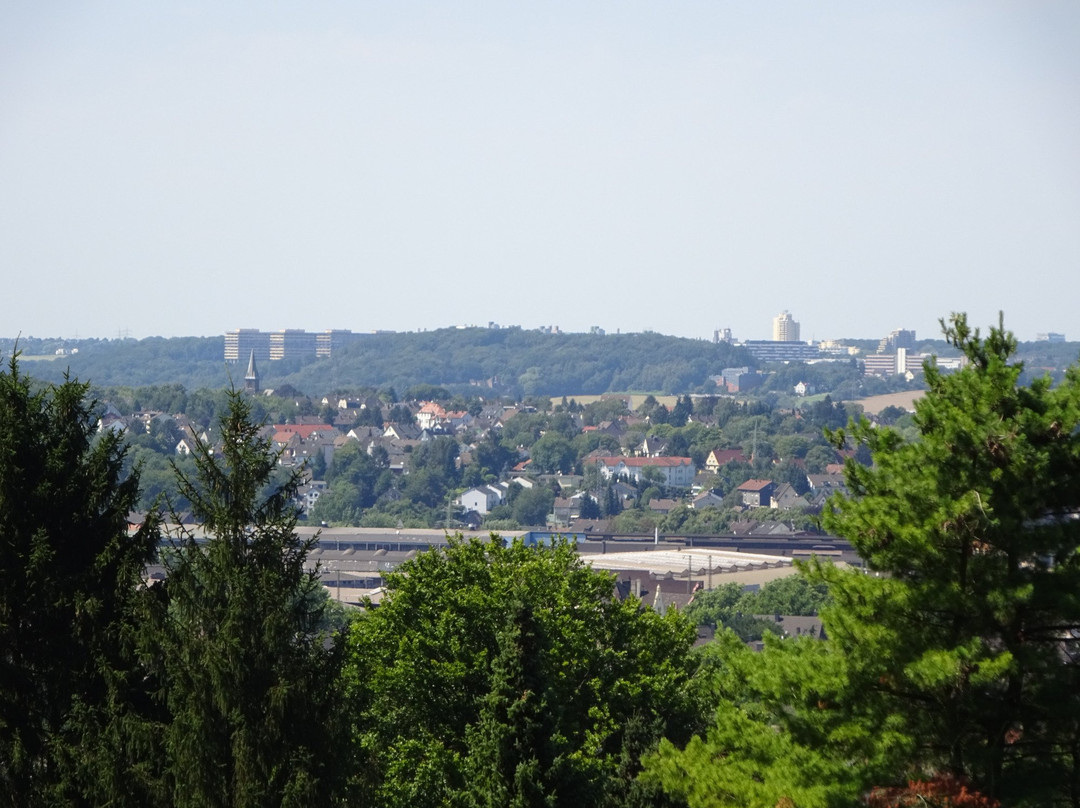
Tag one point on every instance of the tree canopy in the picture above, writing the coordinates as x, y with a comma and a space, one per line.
952, 658
68, 572
508, 675
246, 673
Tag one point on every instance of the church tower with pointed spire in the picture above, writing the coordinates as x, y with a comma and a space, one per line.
251, 378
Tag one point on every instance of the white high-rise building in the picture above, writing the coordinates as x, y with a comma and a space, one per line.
784, 328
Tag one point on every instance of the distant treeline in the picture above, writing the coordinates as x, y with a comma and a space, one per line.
509, 361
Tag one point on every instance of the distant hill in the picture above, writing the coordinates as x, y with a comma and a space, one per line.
509, 361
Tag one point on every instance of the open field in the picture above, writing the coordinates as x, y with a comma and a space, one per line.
875, 404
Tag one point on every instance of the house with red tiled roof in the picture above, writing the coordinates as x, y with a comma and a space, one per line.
677, 471
305, 431
756, 493
721, 457
430, 415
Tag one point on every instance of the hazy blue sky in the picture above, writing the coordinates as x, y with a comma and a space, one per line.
184, 168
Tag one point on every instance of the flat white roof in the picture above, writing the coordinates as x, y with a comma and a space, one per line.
693, 563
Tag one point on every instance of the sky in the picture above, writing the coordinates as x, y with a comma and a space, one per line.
186, 168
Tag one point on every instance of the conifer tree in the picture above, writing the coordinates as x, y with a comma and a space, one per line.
68, 571
246, 672
954, 656
970, 629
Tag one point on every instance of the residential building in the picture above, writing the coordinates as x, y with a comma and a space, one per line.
328, 342
241, 342
784, 328
785, 497
481, 499
900, 338
781, 351
289, 343
677, 471
883, 364
756, 493
721, 457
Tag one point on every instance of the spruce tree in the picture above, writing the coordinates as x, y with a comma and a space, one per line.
69, 569
248, 676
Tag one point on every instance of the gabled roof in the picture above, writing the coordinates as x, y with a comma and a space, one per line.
724, 456
755, 485
303, 430
434, 408
642, 462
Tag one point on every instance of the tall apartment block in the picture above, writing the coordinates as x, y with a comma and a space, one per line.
784, 328
240, 342
288, 343
900, 338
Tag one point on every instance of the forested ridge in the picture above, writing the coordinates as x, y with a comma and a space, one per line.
515, 361
509, 361
498, 674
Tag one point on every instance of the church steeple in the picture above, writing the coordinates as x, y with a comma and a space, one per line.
251, 378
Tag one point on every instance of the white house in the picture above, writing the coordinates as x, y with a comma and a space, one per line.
481, 499
676, 471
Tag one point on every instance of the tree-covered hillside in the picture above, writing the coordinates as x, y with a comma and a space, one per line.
524, 362
513, 360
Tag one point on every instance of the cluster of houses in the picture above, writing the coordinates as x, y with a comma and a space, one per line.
311, 441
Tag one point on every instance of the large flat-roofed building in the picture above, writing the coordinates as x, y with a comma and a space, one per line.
328, 342
883, 364
241, 342
289, 343
774, 351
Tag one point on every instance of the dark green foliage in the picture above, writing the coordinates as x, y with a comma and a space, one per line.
776, 738
235, 640
68, 572
553, 453
526, 363
190, 361
794, 595
957, 654
729, 606
533, 505
970, 636
494, 675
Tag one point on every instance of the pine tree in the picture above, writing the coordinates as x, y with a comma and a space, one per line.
246, 673
970, 628
68, 571
953, 657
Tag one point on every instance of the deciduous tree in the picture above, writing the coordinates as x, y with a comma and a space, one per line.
510, 675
